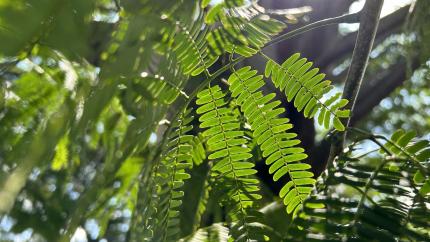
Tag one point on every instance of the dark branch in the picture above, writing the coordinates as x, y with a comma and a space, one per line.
371, 94
344, 45
369, 20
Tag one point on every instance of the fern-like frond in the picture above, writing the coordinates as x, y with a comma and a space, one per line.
401, 144
307, 87
333, 219
162, 82
255, 229
177, 159
161, 193
395, 214
227, 144
230, 154
244, 37
271, 132
191, 47
384, 222
244, 29
215, 232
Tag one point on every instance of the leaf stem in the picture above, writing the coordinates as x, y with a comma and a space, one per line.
347, 18
375, 137
366, 189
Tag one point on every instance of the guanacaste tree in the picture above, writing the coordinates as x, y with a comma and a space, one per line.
233, 120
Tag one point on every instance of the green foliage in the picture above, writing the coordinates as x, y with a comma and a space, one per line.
228, 149
177, 159
26, 21
307, 88
418, 152
191, 48
244, 30
164, 85
396, 215
61, 157
97, 126
270, 131
216, 232
400, 144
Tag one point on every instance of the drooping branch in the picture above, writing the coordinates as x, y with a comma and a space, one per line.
369, 20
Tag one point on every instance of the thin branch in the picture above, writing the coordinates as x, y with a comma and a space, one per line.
369, 20
365, 154
375, 137
366, 190
364, 194
347, 18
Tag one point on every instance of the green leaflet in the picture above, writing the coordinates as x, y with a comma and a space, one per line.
191, 47
425, 189
401, 144
177, 160
162, 85
61, 157
401, 214
242, 30
229, 155
308, 89
271, 133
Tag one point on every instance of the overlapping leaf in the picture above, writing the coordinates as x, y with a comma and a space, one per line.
163, 82
230, 155
243, 29
191, 47
306, 87
177, 159
160, 206
402, 145
397, 214
271, 132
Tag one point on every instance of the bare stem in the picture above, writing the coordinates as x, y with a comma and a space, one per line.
369, 20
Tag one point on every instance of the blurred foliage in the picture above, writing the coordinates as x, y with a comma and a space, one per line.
370, 196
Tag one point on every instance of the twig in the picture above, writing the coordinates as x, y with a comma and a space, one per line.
366, 189
369, 20
375, 137
347, 18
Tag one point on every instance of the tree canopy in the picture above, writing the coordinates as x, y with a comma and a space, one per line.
231, 120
